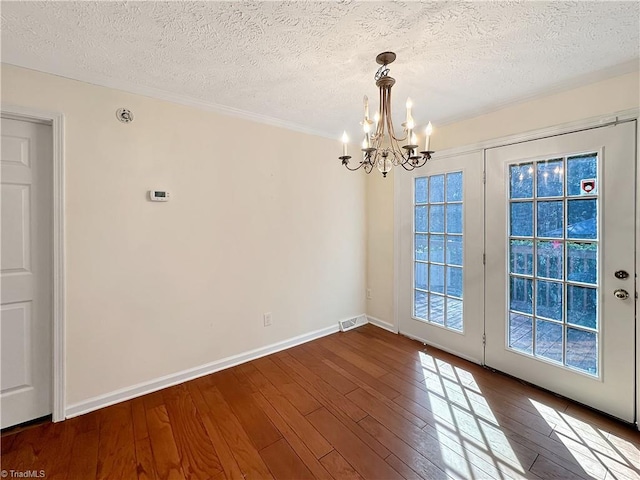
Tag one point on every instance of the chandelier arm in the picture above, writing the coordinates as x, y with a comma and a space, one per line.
398, 159
379, 135
421, 161
362, 164
397, 150
381, 116
389, 118
398, 139
390, 128
387, 107
368, 167
407, 166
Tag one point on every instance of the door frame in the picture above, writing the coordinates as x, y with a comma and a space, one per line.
559, 129
56, 120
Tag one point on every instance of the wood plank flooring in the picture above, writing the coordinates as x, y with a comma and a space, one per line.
365, 404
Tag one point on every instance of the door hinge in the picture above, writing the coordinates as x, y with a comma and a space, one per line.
484, 258
484, 177
484, 340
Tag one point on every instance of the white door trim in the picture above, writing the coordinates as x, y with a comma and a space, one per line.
637, 280
56, 119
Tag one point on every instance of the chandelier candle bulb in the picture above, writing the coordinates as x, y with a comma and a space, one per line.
345, 141
427, 132
366, 109
367, 137
409, 123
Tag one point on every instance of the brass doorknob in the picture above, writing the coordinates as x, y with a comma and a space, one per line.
621, 294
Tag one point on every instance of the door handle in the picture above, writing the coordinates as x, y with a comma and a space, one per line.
621, 294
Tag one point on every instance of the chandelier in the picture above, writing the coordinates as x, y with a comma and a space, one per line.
382, 148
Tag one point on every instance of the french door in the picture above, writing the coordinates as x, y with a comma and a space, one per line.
555, 302
440, 268
560, 273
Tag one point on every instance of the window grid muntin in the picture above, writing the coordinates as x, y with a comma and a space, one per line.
445, 264
565, 240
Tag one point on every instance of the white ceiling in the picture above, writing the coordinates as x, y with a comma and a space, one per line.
308, 64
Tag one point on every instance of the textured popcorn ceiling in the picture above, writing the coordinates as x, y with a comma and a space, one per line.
310, 63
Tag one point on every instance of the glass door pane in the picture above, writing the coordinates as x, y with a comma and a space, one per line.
438, 253
553, 300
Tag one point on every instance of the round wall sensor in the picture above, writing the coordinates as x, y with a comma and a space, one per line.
124, 115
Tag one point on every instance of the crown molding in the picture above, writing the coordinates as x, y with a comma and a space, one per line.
185, 100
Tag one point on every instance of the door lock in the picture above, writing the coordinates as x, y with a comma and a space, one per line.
621, 294
621, 274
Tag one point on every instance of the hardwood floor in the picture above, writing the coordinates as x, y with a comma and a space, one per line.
365, 404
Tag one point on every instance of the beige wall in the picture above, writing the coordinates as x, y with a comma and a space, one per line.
601, 98
260, 219
380, 245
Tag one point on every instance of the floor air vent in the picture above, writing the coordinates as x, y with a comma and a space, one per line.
352, 323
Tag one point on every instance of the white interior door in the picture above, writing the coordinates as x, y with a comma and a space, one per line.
559, 234
440, 290
26, 269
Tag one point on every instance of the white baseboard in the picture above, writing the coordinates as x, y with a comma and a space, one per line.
382, 324
150, 386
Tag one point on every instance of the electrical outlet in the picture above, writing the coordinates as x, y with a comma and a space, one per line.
369, 293
267, 319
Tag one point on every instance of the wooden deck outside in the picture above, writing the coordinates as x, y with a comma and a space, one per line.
362, 404
581, 352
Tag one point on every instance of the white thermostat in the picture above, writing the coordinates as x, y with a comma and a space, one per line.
158, 196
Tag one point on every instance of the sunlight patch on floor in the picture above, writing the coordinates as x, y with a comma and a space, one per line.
477, 426
472, 444
593, 448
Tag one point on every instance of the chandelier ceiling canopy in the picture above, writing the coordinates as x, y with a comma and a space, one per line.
381, 147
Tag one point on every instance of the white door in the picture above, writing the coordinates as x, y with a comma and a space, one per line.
440, 290
559, 240
26, 265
